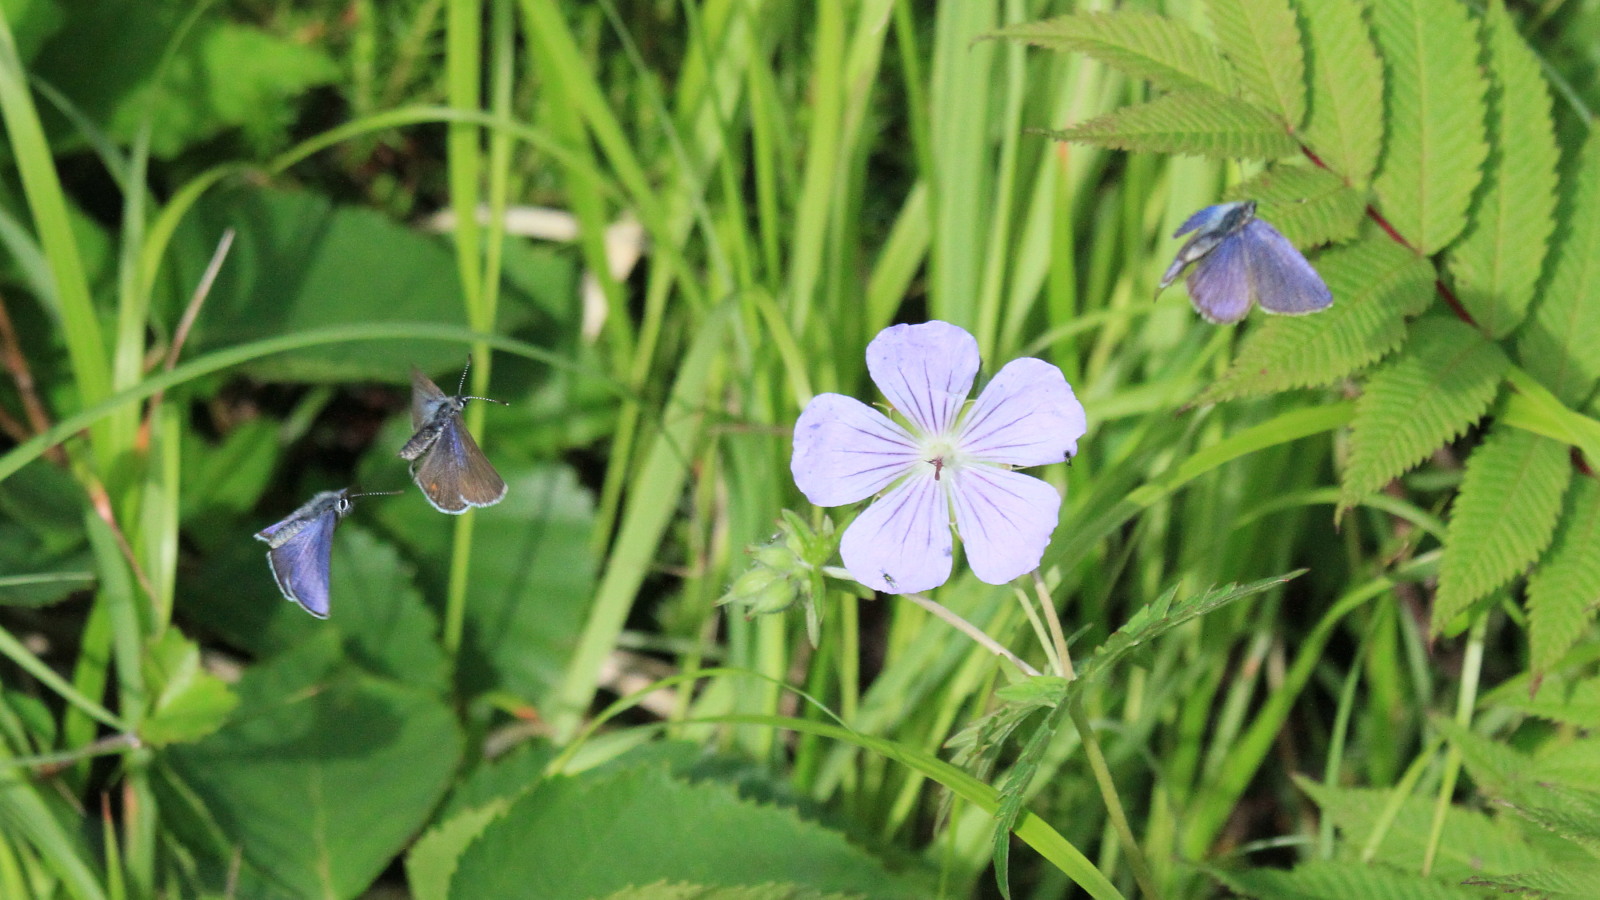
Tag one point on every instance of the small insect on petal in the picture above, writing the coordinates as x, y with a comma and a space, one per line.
1238, 261
902, 543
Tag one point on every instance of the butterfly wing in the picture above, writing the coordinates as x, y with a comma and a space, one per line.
300, 564
425, 397
455, 474
1219, 284
1281, 279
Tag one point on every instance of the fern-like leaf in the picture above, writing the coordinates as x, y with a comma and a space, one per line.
1262, 39
1560, 345
1435, 389
1308, 204
1575, 880
1167, 53
1563, 594
1496, 263
1376, 285
1343, 879
1435, 102
1503, 518
1190, 124
1345, 129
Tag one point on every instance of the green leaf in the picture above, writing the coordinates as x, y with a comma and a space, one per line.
1376, 285
1471, 842
1558, 699
221, 76
1014, 793
533, 572
1341, 880
1345, 128
1503, 518
1509, 777
291, 268
1559, 343
1190, 124
1435, 100
1309, 205
1497, 262
1577, 879
1262, 39
679, 891
1437, 388
562, 840
1564, 592
1167, 53
325, 773
1162, 615
190, 702
432, 861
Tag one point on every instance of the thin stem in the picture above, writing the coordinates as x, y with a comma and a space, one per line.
17, 364
1108, 795
972, 631
1053, 620
1471, 669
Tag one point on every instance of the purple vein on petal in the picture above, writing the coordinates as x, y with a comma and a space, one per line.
1026, 416
1005, 519
901, 544
846, 451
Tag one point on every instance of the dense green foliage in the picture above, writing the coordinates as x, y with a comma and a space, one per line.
1325, 584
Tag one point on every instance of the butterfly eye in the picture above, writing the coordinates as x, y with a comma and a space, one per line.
343, 507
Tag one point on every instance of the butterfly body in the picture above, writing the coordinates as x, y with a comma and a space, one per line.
447, 464
300, 549
1239, 261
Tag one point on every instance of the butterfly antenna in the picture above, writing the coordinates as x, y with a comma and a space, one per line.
374, 494
463, 385
489, 399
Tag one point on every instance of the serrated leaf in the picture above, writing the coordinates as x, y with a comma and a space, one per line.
1575, 879
1190, 124
1564, 592
1340, 880
1167, 53
1559, 700
1470, 843
1434, 390
1376, 285
562, 840
1503, 518
1164, 614
679, 891
432, 859
1309, 205
1014, 794
1262, 39
190, 702
1559, 343
1435, 102
1497, 262
1345, 126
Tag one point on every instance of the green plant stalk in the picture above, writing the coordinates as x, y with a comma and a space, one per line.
1471, 672
13, 650
1108, 794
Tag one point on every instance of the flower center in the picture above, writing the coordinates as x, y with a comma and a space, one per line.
943, 454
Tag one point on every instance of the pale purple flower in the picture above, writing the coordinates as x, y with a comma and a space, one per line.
943, 461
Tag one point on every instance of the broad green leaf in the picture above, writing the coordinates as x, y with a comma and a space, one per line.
432, 860
1167, 53
1439, 385
562, 841
1497, 262
1435, 101
43, 556
533, 572
1472, 843
1309, 205
324, 773
1262, 39
1190, 124
1559, 342
32, 23
1558, 699
222, 76
1376, 285
1575, 879
1503, 517
190, 702
1345, 128
1510, 777
1565, 591
293, 268
679, 891
1341, 880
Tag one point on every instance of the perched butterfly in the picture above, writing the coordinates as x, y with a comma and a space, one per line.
1240, 260
301, 548
447, 464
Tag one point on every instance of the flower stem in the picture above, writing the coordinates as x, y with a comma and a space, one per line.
1051, 618
1108, 794
972, 631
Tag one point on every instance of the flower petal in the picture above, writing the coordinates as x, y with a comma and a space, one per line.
1004, 518
901, 544
1026, 416
844, 451
925, 370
